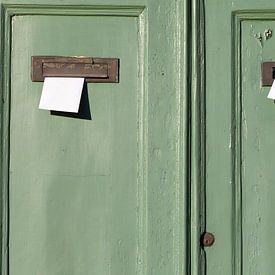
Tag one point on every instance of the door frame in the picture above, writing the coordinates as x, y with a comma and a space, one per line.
198, 138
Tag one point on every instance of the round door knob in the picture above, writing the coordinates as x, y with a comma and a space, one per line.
207, 239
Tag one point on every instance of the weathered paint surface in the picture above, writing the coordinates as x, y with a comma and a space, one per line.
257, 153
106, 195
239, 138
70, 195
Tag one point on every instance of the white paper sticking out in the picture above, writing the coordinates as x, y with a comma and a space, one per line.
271, 94
61, 94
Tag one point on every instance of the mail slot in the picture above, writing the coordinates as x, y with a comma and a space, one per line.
268, 73
96, 70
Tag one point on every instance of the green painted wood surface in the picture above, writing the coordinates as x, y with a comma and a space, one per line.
107, 195
73, 184
239, 138
257, 152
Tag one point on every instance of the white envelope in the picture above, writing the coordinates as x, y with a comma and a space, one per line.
271, 94
61, 94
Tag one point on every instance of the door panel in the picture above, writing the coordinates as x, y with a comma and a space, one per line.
258, 120
73, 184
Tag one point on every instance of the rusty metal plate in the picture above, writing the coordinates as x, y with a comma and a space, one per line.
268, 73
95, 70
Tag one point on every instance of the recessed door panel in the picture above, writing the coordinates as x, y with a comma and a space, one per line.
257, 155
73, 180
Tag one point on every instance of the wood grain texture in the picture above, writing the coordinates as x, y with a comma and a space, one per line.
158, 231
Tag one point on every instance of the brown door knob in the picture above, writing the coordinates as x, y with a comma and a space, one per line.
207, 239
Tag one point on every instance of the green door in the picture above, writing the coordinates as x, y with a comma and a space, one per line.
102, 192
239, 138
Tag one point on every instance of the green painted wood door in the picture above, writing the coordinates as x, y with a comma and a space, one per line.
105, 192
239, 138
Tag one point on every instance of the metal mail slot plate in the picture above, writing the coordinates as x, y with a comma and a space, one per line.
268, 73
95, 70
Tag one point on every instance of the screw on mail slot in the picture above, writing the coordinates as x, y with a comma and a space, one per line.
96, 70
